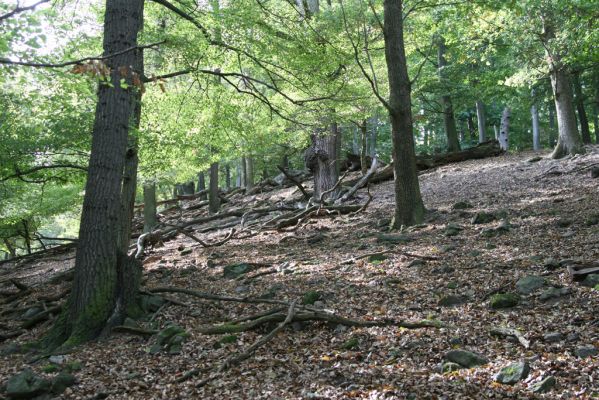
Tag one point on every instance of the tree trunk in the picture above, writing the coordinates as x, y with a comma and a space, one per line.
453, 143
582, 114
105, 279
536, 137
596, 106
202, 184
409, 209
471, 128
11, 249
249, 173
482, 121
504, 129
26, 235
150, 220
243, 175
552, 129
374, 133
320, 159
363, 134
227, 176
213, 198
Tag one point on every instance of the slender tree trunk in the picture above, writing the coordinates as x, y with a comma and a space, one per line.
227, 176
552, 128
596, 107
26, 235
409, 209
363, 135
105, 279
355, 141
471, 128
585, 132
496, 132
214, 199
150, 219
482, 121
374, 132
249, 172
453, 143
536, 137
504, 129
202, 184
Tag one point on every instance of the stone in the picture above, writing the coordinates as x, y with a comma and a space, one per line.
513, 373
563, 222
393, 239
529, 284
504, 300
233, 271
461, 205
591, 280
26, 385
151, 304
62, 381
447, 248
310, 297
553, 337
242, 289
586, 351
545, 385
58, 360
483, 217
451, 300
466, 358
595, 172
449, 366
554, 293
32, 312
452, 230
573, 337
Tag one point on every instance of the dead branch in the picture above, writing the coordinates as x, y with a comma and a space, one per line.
42, 316
295, 181
335, 186
10, 335
509, 332
380, 253
256, 316
205, 244
19, 285
361, 183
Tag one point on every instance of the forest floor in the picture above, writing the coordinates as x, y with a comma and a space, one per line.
552, 216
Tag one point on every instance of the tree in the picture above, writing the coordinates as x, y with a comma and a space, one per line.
453, 143
104, 285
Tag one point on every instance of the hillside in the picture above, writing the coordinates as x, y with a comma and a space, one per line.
541, 217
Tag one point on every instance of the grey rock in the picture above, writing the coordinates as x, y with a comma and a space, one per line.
58, 360
573, 337
483, 217
466, 358
455, 341
242, 289
554, 293
415, 263
31, 312
449, 366
504, 300
529, 284
447, 248
513, 373
586, 351
62, 381
591, 280
595, 172
451, 300
26, 385
553, 337
452, 230
545, 385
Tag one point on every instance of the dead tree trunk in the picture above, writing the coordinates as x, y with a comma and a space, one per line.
320, 159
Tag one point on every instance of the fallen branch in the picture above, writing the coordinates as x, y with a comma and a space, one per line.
380, 253
39, 317
295, 181
361, 183
19, 285
10, 335
510, 332
205, 244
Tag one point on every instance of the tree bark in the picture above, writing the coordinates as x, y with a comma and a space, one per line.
504, 129
249, 173
227, 176
213, 198
596, 107
585, 132
471, 128
552, 129
202, 184
11, 249
482, 121
453, 143
363, 133
536, 137
104, 277
150, 220
409, 208
243, 176
320, 159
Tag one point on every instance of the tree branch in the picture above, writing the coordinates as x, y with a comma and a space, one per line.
18, 9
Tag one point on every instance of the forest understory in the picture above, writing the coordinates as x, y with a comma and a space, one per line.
489, 224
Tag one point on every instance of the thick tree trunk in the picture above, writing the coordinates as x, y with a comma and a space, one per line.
150, 219
409, 209
504, 129
249, 173
105, 279
213, 198
482, 121
536, 137
453, 143
320, 159
202, 185
585, 132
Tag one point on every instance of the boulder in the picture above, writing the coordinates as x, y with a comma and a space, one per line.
545, 385
466, 358
62, 381
529, 284
586, 351
483, 217
513, 373
27, 385
554, 293
504, 300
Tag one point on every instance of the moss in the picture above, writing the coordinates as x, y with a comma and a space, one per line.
229, 339
73, 366
350, 344
50, 368
310, 297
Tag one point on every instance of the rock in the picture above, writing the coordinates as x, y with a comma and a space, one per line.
26, 385
534, 159
232, 271
185, 252
151, 304
553, 337
446, 269
513, 373
466, 358
591, 280
529, 284
452, 230
242, 289
544, 386
595, 172
31, 312
503, 227
554, 293
449, 366
455, 341
504, 300
551, 264
461, 205
319, 304
586, 351
62, 381
58, 360
393, 239
592, 220
451, 300
170, 339
310, 297
415, 263
483, 217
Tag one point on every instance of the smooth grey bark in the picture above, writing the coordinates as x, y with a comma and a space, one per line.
496, 132
453, 143
202, 184
227, 176
238, 175
363, 135
504, 129
536, 137
409, 208
243, 172
249, 172
585, 132
552, 124
150, 219
105, 279
482, 121
374, 133
213, 197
